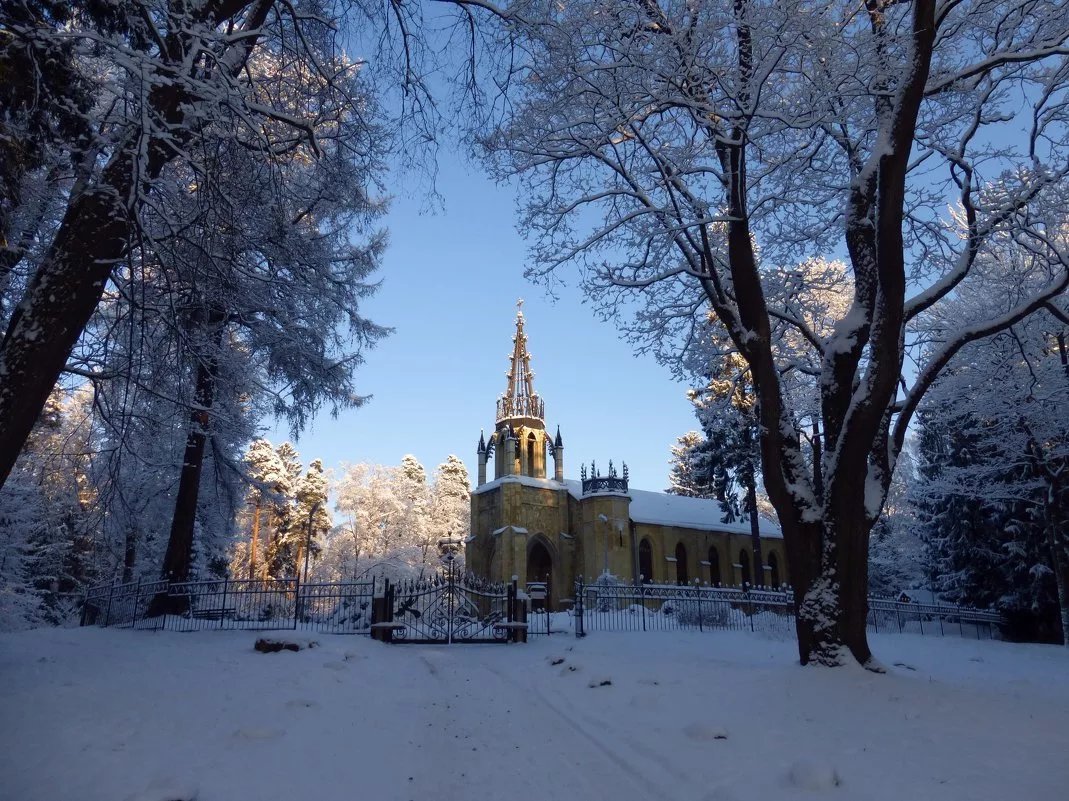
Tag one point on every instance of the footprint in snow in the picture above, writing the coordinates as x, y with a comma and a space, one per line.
807, 775
723, 793
301, 703
556, 660
258, 733
703, 732
600, 683
165, 790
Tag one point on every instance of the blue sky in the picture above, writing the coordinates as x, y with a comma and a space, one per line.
450, 281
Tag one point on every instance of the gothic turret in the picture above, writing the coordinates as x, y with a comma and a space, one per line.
558, 457
481, 453
519, 441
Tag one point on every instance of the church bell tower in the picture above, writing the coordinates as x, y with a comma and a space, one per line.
520, 441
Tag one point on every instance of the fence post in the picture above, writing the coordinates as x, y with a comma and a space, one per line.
699, 591
642, 597
222, 611
137, 603
107, 615
296, 600
579, 597
898, 614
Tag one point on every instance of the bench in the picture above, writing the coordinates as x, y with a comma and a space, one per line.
212, 614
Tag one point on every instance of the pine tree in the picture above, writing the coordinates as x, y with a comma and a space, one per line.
49, 551
450, 506
268, 479
311, 514
284, 540
415, 496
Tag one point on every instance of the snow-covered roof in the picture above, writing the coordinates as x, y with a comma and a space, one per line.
700, 513
542, 483
654, 507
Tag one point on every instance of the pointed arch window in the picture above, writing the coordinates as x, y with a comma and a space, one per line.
773, 564
714, 566
531, 455
645, 560
744, 563
681, 564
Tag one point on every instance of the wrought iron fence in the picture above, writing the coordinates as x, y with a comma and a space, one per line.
662, 607
337, 608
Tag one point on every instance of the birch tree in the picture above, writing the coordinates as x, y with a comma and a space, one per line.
678, 154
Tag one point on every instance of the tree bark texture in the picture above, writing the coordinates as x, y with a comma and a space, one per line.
823, 509
98, 227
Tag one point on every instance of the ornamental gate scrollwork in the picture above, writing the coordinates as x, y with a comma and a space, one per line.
450, 607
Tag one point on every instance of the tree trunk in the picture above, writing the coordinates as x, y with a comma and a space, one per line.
255, 539
95, 234
178, 558
755, 528
129, 555
55, 309
831, 592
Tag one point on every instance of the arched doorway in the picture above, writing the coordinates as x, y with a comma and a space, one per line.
773, 565
540, 567
645, 560
681, 564
714, 566
744, 563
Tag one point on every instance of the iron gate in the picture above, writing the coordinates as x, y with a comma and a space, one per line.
449, 607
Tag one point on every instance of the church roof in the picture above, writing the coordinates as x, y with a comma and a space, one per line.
699, 513
657, 508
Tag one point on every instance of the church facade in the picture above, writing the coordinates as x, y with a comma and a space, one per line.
537, 528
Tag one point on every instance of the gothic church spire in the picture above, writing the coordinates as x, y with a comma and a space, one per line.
520, 401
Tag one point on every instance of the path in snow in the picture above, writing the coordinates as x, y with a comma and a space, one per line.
91, 715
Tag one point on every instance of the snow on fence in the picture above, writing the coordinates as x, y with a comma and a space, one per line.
338, 608
603, 606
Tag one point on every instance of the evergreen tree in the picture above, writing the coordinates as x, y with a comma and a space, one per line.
415, 497
267, 482
285, 537
48, 548
450, 506
995, 511
311, 514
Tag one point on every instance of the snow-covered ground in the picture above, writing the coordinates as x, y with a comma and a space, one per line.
106, 715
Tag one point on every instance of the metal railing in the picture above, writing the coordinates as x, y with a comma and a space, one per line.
664, 607
337, 608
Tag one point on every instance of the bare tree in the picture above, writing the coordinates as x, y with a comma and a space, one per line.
683, 154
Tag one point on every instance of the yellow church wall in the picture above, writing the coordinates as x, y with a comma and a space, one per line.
605, 531
528, 515
664, 539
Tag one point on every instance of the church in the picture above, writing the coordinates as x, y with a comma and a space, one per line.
553, 530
